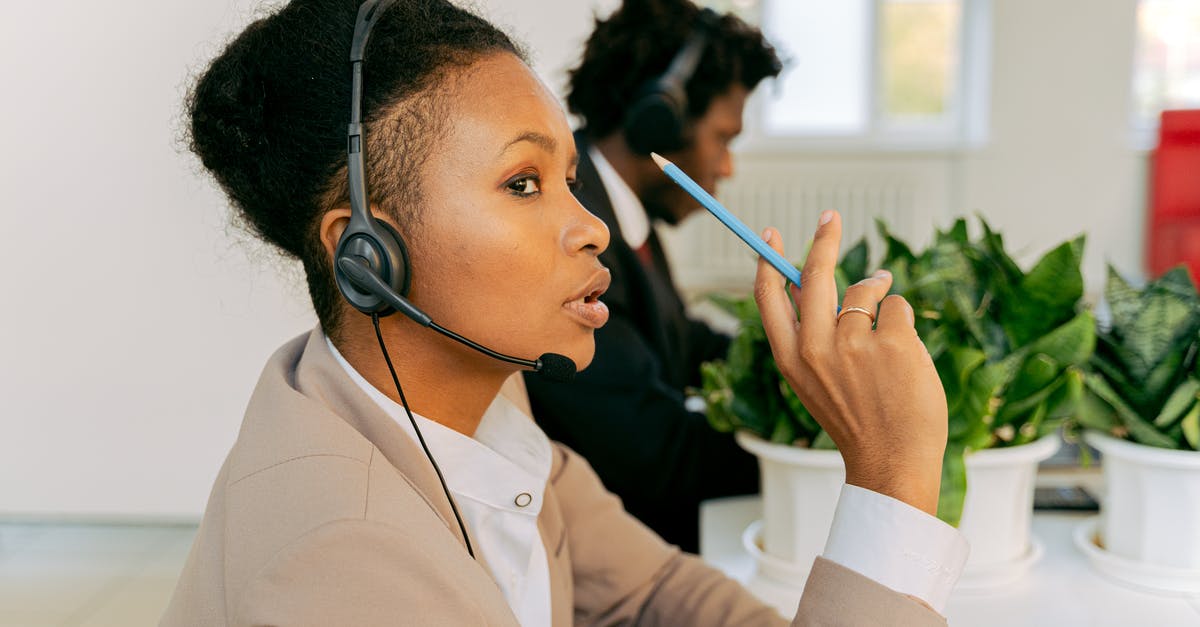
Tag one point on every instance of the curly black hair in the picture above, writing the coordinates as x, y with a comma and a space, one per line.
636, 44
268, 117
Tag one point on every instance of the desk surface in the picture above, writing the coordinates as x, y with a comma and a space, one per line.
1061, 589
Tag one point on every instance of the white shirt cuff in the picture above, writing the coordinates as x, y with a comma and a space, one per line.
897, 545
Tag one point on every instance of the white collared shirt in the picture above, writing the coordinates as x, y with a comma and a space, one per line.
498, 479
897, 545
631, 214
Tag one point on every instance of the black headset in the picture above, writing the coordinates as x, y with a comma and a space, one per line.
367, 240
657, 120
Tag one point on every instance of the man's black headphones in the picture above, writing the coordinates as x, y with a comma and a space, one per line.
367, 240
657, 120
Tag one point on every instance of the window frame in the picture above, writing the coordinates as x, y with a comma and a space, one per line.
1143, 130
964, 127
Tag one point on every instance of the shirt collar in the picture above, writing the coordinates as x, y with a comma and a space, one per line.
509, 456
631, 214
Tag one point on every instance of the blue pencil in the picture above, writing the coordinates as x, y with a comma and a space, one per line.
728, 219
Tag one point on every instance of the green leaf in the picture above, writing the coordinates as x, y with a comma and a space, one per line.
1139, 429
956, 234
993, 247
1179, 281
1191, 427
961, 301
900, 274
808, 425
784, 433
1093, 413
970, 420
854, 262
823, 442
1183, 398
895, 250
1032, 428
1063, 405
1070, 344
953, 491
1047, 295
1123, 300
1020, 406
1156, 329
714, 377
1037, 372
954, 369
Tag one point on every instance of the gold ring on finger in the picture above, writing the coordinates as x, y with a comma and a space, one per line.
846, 310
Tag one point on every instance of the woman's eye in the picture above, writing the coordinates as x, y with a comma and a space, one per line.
525, 186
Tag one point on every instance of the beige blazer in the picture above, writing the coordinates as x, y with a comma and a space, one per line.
327, 513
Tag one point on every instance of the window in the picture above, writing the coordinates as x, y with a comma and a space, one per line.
1166, 72
872, 73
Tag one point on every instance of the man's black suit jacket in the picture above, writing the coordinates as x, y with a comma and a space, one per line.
625, 413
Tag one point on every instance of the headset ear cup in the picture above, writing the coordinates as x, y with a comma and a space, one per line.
657, 119
397, 253
655, 123
382, 248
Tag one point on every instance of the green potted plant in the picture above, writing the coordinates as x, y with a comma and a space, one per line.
1009, 346
1142, 412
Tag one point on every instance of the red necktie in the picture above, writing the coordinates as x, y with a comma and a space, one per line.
644, 254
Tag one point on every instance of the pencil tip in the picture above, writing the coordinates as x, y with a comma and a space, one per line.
662, 163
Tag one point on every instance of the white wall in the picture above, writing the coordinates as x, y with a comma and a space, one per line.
134, 323
1060, 159
134, 320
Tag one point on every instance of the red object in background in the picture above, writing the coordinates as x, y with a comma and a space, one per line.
1174, 230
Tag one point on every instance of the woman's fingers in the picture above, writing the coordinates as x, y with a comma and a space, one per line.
860, 303
895, 317
774, 305
818, 289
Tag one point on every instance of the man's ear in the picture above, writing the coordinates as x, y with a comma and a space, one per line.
333, 224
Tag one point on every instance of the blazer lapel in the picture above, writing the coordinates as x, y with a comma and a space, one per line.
554, 537
319, 376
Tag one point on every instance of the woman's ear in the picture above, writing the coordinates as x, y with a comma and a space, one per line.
333, 224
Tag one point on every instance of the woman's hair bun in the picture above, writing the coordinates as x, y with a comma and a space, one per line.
657, 11
233, 112
230, 133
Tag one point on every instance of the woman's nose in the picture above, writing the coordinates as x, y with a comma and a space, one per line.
585, 232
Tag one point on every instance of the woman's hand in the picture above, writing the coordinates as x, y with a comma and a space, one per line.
874, 390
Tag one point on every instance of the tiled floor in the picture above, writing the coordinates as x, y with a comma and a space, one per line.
89, 575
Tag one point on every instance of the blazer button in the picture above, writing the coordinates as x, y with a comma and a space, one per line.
523, 499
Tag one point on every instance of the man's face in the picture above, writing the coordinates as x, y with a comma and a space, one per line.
706, 158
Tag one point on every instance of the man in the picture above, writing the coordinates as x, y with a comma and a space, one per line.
626, 413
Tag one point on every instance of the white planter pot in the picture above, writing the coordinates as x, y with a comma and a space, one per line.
998, 512
800, 489
1150, 516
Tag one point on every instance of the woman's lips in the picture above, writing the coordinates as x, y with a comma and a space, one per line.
592, 313
586, 305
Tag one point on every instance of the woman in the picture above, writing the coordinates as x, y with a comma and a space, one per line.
327, 510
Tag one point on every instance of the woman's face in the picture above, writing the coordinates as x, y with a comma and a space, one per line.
502, 252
